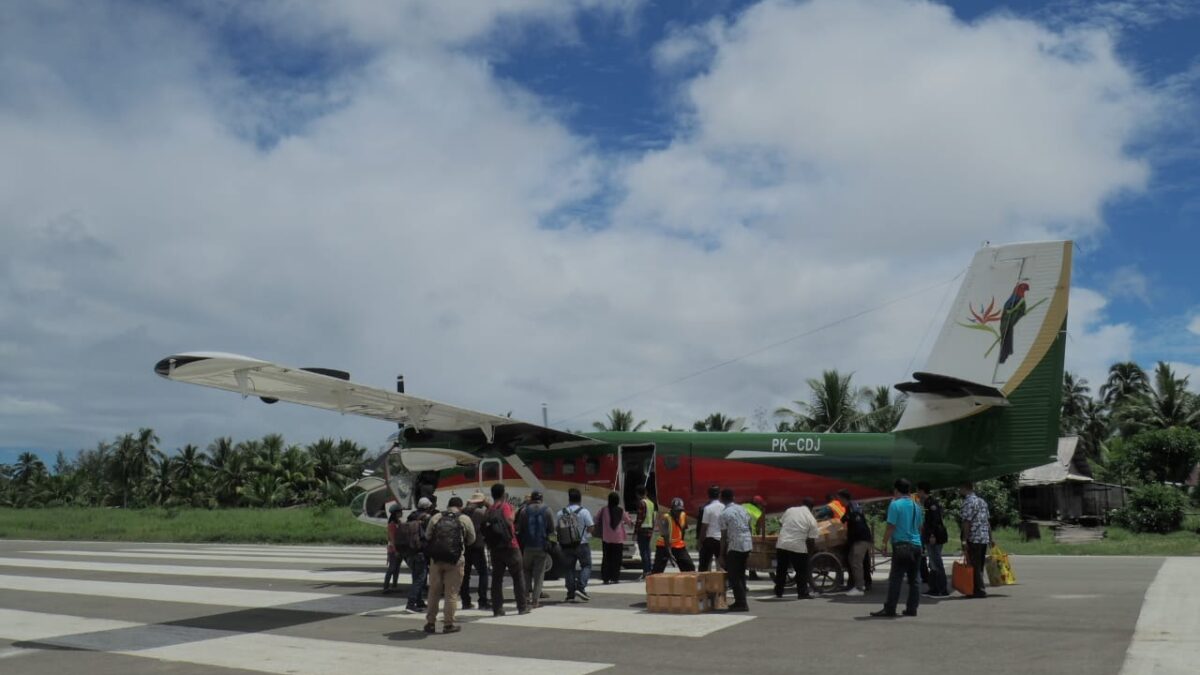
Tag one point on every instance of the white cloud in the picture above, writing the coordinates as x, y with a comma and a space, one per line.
14, 406
1127, 281
834, 156
896, 127
1093, 344
1194, 326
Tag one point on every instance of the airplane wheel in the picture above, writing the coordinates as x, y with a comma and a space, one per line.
826, 572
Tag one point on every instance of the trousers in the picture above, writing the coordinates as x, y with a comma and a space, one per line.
444, 579
508, 560
474, 559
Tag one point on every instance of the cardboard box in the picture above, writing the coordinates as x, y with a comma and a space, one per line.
656, 603
688, 584
688, 604
718, 601
658, 584
714, 582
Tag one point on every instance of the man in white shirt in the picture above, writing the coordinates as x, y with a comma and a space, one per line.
797, 540
708, 532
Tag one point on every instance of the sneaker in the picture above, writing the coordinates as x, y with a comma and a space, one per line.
738, 608
451, 628
582, 595
854, 593
467, 605
980, 594
484, 604
883, 613
411, 607
910, 612
430, 628
525, 610
498, 612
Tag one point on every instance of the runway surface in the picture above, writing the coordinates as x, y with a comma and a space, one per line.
164, 608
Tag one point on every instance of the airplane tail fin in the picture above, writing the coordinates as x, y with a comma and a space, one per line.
990, 396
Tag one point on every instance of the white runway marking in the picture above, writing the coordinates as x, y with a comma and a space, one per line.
268, 653
1167, 638
379, 561
313, 576
199, 595
282, 554
620, 621
19, 626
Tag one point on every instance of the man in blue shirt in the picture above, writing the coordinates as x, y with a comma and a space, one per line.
904, 534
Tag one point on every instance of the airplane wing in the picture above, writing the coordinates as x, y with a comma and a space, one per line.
425, 421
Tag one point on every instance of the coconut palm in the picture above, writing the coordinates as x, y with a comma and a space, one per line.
1074, 399
29, 469
265, 490
1126, 381
719, 422
883, 411
619, 420
832, 406
1167, 404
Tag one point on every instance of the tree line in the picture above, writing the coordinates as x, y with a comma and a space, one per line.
1139, 429
132, 471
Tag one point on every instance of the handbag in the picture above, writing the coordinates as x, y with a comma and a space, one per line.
963, 576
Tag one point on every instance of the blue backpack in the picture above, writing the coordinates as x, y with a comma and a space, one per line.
533, 534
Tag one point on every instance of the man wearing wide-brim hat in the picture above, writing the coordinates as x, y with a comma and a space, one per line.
476, 554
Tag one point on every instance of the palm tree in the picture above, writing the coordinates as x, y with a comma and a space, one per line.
832, 406
296, 470
266, 490
619, 420
884, 412
1074, 399
29, 469
1093, 429
1126, 381
718, 422
229, 470
1167, 404
161, 484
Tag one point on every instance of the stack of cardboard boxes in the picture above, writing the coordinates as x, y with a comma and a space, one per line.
686, 592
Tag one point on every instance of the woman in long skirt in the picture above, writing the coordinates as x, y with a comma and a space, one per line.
612, 519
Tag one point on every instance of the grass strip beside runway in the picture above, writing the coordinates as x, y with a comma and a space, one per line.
290, 526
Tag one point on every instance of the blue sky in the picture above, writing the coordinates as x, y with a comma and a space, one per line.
566, 202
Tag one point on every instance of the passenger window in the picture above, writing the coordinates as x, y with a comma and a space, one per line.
547, 467
591, 467
491, 471
568, 467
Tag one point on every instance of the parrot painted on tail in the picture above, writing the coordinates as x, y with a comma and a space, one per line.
1014, 309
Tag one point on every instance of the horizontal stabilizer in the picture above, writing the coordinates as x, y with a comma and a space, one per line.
952, 387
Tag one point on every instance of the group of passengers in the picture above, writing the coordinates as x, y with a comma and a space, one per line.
444, 548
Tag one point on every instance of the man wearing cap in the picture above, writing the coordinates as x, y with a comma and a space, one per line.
417, 561
535, 524
475, 555
758, 523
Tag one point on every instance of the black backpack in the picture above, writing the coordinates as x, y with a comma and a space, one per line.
446, 540
497, 531
476, 514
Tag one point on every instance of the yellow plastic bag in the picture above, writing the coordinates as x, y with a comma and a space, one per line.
999, 568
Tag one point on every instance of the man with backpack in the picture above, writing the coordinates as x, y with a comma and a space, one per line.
859, 541
500, 536
414, 536
475, 556
574, 527
535, 524
449, 534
